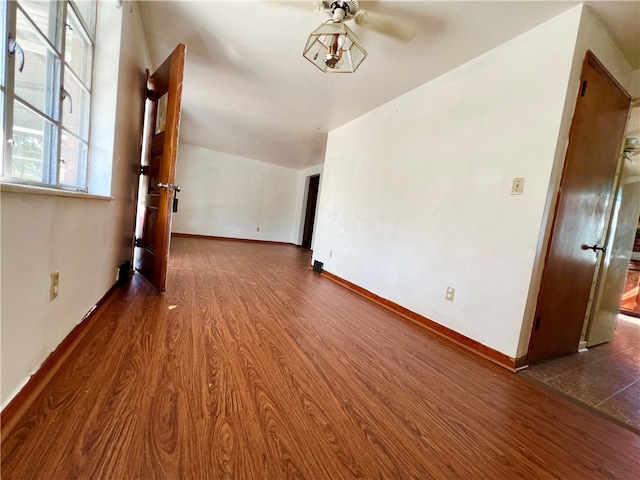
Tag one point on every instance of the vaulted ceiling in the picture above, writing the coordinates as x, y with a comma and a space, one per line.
249, 92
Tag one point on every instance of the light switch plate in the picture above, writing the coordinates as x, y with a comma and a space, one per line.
53, 285
517, 187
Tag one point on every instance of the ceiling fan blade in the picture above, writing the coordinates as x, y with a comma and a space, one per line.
386, 24
308, 5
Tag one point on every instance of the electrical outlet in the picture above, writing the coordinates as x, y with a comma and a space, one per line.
257, 229
451, 292
517, 187
330, 253
53, 287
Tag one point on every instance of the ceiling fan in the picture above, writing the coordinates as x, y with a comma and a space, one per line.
335, 48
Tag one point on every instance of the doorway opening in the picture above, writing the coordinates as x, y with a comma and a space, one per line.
630, 304
310, 211
617, 281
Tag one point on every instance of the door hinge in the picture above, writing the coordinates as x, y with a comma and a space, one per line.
144, 169
138, 242
537, 323
583, 89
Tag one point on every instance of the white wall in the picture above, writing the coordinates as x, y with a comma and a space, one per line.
634, 88
416, 194
225, 195
85, 239
593, 36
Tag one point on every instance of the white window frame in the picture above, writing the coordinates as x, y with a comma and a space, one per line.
52, 156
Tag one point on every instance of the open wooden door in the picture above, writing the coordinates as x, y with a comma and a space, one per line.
584, 205
164, 96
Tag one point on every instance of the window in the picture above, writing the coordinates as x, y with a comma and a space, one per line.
45, 121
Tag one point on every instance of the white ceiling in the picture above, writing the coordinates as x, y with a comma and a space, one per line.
249, 92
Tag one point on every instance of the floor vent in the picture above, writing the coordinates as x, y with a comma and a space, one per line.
123, 273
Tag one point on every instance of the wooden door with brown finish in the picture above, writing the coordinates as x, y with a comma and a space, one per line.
164, 96
584, 203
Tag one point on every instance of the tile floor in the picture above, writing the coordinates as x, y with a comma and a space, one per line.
606, 377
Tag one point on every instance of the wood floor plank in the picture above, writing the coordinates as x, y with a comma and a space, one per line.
251, 366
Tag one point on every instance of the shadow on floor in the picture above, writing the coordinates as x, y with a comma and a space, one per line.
606, 377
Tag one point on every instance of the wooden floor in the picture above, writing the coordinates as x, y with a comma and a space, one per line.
252, 366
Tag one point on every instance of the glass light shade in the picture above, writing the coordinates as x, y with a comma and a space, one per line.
334, 48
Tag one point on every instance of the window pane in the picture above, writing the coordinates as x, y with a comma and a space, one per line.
44, 15
78, 52
161, 114
87, 9
38, 83
75, 110
33, 138
73, 162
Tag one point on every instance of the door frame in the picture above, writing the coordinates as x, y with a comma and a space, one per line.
313, 211
144, 123
301, 202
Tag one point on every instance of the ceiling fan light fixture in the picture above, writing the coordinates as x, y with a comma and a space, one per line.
334, 48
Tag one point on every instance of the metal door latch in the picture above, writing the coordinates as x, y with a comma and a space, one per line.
595, 248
